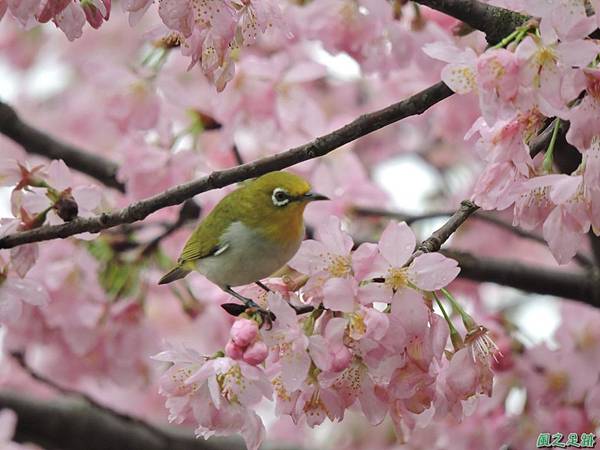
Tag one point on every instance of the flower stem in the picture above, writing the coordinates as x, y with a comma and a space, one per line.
455, 337
549, 156
467, 320
516, 35
508, 39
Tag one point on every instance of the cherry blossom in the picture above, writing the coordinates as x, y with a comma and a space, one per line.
216, 392
14, 291
363, 326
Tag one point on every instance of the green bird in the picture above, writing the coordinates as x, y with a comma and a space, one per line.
250, 234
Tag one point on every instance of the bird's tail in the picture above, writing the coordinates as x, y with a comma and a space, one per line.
175, 273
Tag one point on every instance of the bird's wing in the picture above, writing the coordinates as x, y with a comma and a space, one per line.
206, 238
199, 246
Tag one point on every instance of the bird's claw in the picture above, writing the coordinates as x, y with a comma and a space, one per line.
250, 307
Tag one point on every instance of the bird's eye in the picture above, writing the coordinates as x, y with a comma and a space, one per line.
280, 197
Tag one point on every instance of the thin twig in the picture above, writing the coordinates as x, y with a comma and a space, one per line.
39, 143
363, 125
434, 242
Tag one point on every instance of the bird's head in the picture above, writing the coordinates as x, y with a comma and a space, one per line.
282, 193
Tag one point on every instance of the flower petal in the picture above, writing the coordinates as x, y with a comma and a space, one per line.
339, 294
433, 271
397, 243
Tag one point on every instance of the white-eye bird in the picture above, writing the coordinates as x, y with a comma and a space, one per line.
250, 234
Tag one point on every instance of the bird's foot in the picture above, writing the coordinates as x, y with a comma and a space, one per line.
301, 309
249, 306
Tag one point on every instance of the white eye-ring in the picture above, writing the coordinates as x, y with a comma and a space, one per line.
280, 197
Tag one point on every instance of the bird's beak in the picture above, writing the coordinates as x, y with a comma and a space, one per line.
313, 196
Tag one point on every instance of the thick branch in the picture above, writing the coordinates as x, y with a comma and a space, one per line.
595, 245
362, 126
584, 287
581, 259
70, 424
495, 22
39, 143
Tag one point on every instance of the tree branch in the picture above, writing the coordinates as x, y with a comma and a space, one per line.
39, 143
363, 125
584, 286
495, 22
434, 242
484, 216
74, 424
595, 245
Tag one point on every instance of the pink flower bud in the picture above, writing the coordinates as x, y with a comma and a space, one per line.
256, 353
341, 359
243, 332
66, 207
233, 351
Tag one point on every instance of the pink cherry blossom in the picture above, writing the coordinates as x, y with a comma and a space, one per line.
329, 253
498, 72
548, 66
136, 108
460, 73
352, 332
430, 271
216, 392
71, 21
566, 224
565, 19
15, 291
56, 196
316, 404
468, 376
96, 11
328, 351
136, 9
288, 344
582, 116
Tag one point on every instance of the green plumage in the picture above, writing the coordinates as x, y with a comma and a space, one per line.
252, 205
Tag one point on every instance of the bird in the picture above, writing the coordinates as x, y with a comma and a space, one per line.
249, 235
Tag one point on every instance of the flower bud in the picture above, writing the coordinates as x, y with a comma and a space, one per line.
233, 351
243, 332
66, 206
256, 353
190, 210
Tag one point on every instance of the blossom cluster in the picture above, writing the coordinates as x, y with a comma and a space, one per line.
40, 195
372, 342
541, 72
537, 387
87, 314
70, 16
